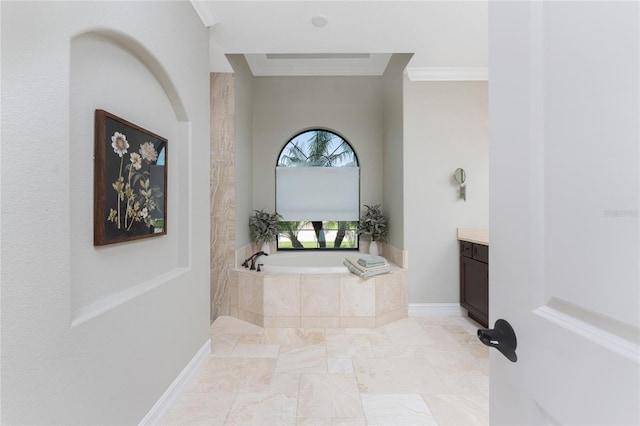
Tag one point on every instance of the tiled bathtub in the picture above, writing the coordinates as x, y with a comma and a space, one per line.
318, 300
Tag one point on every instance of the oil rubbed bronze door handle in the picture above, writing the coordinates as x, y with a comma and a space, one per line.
502, 337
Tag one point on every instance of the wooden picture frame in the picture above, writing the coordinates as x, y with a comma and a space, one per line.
130, 181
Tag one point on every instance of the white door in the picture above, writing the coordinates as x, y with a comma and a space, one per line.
564, 157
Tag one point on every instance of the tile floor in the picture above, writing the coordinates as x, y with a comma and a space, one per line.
416, 371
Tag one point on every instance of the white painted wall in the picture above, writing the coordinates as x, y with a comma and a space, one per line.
96, 335
284, 106
445, 128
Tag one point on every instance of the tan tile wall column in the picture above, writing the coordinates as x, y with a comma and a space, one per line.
222, 182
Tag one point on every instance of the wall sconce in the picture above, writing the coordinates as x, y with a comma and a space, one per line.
460, 176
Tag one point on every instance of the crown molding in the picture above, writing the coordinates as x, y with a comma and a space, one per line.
447, 73
205, 11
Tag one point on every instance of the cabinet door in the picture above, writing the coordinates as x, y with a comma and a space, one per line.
474, 289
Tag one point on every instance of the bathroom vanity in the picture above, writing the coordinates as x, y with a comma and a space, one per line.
474, 273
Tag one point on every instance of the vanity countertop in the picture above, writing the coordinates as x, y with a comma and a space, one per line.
474, 235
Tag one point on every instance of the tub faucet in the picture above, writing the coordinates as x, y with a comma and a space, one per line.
245, 264
255, 257
249, 259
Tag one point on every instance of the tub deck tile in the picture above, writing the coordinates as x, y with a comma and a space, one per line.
320, 301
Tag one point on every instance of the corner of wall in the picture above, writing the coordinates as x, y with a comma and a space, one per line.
393, 184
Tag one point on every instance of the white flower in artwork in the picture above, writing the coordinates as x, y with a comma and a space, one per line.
144, 213
148, 152
136, 160
119, 143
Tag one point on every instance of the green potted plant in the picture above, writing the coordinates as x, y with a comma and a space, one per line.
373, 224
264, 227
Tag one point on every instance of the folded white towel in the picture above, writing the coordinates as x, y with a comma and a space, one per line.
369, 273
354, 262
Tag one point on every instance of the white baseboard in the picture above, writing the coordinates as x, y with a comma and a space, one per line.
175, 390
436, 309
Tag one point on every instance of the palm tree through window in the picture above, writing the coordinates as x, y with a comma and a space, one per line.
318, 148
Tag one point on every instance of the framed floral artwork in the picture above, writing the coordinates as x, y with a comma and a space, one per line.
130, 181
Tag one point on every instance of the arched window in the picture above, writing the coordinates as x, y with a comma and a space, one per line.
318, 192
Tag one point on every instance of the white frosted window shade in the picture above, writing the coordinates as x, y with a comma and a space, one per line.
318, 193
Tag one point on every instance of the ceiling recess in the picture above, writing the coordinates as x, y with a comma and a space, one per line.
318, 64
318, 55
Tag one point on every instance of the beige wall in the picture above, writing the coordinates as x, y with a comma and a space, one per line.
445, 128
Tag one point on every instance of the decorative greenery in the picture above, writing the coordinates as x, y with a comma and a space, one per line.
373, 223
264, 226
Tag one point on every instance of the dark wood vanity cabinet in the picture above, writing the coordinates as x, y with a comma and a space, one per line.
474, 281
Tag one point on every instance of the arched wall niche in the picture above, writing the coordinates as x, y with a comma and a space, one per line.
143, 54
113, 71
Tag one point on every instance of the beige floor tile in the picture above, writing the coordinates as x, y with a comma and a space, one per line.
302, 359
378, 339
479, 351
313, 336
349, 346
435, 320
458, 409
395, 351
454, 329
443, 357
333, 332
209, 408
339, 365
464, 339
285, 383
406, 410
329, 396
435, 331
222, 344
465, 384
408, 332
370, 330
336, 421
397, 375
263, 409
411, 371
481, 383
250, 338
234, 375
255, 351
